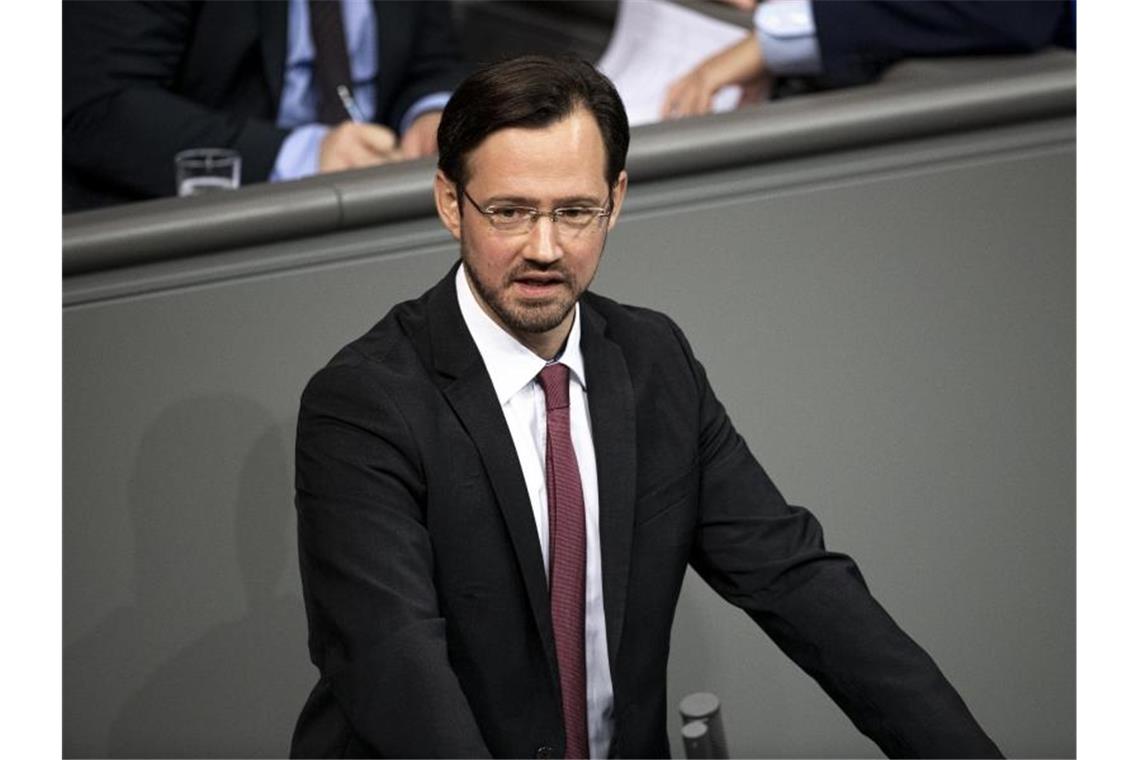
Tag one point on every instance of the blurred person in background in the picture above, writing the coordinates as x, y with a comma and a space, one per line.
833, 43
297, 87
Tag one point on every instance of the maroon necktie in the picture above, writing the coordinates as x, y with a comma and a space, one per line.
567, 557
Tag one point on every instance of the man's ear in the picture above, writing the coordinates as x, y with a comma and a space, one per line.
447, 203
618, 196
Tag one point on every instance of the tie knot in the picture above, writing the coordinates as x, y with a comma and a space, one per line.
555, 382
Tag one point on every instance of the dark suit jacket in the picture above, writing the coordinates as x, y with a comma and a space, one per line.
860, 39
424, 584
142, 81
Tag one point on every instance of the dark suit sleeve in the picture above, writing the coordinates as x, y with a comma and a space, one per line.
375, 628
859, 39
123, 121
769, 559
433, 62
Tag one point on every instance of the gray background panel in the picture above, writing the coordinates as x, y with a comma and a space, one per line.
910, 345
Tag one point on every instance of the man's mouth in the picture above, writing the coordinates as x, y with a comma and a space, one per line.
539, 284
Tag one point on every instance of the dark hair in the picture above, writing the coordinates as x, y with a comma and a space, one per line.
530, 91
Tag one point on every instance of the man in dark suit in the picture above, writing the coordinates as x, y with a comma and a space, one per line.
500, 485
143, 81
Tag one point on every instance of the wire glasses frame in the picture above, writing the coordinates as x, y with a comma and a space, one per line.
520, 220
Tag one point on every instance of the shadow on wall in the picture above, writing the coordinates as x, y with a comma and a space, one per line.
210, 660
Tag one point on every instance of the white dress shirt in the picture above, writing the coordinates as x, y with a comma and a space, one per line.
513, 369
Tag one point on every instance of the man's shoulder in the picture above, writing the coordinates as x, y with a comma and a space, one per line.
385, 357
634, 328
655, 353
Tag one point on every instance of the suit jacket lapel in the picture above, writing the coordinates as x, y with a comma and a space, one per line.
274, 20
468, 389
612, 407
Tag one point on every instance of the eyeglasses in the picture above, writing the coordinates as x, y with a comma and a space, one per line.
520, 220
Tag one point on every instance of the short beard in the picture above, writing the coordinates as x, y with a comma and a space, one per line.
535, 319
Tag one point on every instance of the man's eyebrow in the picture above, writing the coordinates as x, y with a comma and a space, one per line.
579, 200
520, 200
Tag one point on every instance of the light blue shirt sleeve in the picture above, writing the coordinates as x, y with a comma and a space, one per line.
299, 154
434, 102
786, 29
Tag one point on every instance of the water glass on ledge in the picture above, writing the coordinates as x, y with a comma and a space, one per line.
207, 170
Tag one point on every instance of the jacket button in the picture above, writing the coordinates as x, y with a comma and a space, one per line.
544, 753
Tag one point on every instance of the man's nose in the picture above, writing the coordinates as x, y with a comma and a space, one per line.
542, 244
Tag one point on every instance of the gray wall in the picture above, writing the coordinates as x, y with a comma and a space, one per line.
890, 323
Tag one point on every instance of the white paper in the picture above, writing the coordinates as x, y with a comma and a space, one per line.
654, 43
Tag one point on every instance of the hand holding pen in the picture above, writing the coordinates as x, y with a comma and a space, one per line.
356, 144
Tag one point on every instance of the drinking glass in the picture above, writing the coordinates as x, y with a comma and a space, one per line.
207, 170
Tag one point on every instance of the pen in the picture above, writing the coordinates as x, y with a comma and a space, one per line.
349, 102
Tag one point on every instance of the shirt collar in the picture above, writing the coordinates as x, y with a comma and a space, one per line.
511, 365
